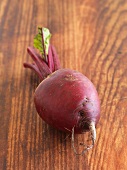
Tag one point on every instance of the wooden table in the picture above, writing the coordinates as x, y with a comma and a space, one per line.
91, 37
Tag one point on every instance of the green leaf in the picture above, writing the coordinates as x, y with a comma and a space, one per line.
42, 41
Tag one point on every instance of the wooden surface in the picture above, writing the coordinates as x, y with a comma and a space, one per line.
90, 36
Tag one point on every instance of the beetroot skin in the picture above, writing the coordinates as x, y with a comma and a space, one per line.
67, 99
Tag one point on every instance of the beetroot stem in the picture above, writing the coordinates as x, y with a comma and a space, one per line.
42, 66
35, 68
43, 45
55, 59
50, 59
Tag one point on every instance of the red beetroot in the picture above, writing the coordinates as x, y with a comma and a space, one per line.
65, 98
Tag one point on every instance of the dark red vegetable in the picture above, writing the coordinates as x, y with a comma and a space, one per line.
65, 99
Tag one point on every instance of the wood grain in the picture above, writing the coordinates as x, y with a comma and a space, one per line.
90, 36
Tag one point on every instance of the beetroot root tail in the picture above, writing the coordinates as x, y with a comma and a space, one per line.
93, 138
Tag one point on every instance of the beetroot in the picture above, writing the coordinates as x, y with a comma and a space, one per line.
65, 98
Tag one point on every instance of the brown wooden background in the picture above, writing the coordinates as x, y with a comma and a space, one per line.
90, 36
